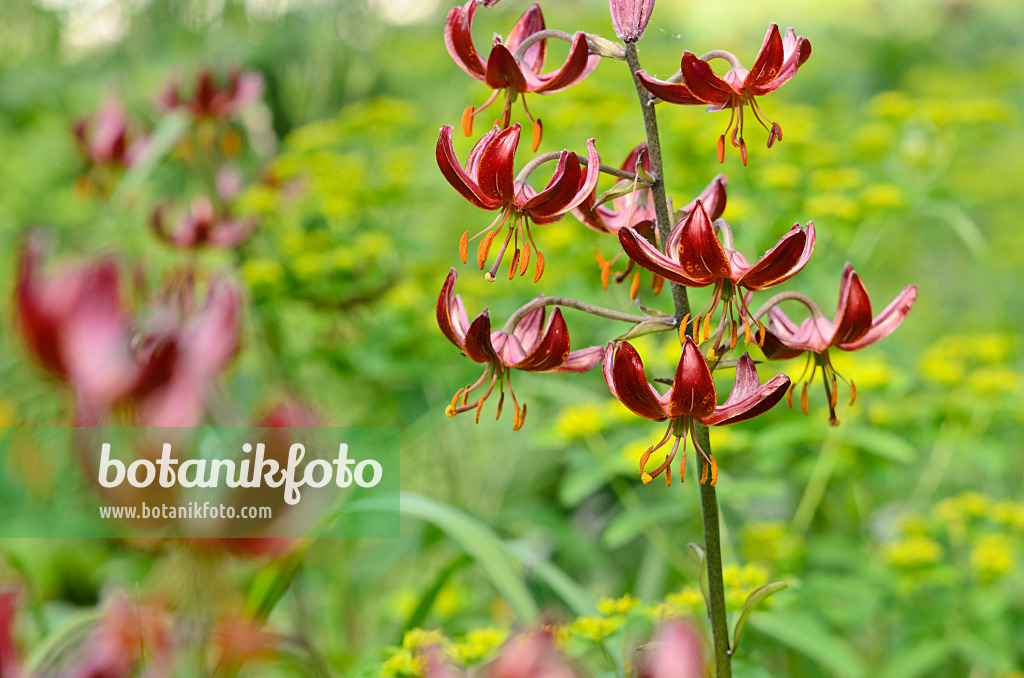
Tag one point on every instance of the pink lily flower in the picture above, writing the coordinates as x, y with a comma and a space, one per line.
533, 345
777, 61
203, 225
691, 399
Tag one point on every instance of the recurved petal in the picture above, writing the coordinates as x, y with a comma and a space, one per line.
494, 173
573, 187
703, 83
624, 375
458, 38
532, 21
693, 389
478, 340
451, 314
853, 317
648, 256
748, 399
701, 255
578, 65
528, 330
460, 180
769, 60
781, 262
886, 322
503, 70
713, 198
796, 51
672, 92
582, 360
553, 349
775, 348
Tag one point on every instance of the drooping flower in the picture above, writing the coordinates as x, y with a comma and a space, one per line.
510, 69
532, 345
776, 62
108, 138
852, 329
691, 399
202, 225
635, 210
212, 97
630, 18
487, 182
696, 257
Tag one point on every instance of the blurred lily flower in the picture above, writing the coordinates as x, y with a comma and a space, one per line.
203, 225
129, 636
211, 97
776, 62
630, 18
853, 328
10, 660
487, 182
691, 399
508, 72
532, 346
108, 138
695, 257
678, 653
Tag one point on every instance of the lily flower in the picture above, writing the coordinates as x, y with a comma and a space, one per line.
635, 210
532, 346
212, 98
487, 182
852, 329
108, 138
692, 399
696, 257
630, 18
508, 72
203, 225
776, 62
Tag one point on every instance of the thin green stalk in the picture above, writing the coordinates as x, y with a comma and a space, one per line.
708, 500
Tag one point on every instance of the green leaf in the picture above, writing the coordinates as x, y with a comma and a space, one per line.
807, 635
480, 543
753, 600
702, 576
919, 660
885, 444
423, 608
572, 594
272, 583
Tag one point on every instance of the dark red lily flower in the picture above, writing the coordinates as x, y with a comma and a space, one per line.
203, 225
531, 346
695, 257
691, 399
776, 62
630, 18
212, 98
487, 182
852, 329
504, 73
636, 211
108, 138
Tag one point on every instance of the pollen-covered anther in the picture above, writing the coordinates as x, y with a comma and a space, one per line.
539, 269
711, 354
538, 132
803, 400
709, 472
524, 263
467, 121
732, 336
646, 478
682, 328
853, 392
464, 247
746, 331
743, 151
657, 282
634, 287
520, 418
834, 396
484, 249
501, 401
707, 327
721, 149
479, 408
760, 334
789, 395
513, 265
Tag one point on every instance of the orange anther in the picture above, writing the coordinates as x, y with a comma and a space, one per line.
538, 131
746, 332
682, 328
721, 148
538, 271
707, 327
467, 121
634, 288
789, 395
803, 400
524, 263
853, 392
513, 265
464, 246
484, 249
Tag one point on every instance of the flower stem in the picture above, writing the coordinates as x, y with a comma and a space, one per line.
530, 167
708, 500
567, 302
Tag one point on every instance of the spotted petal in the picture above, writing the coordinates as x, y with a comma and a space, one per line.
781, 262
693, 389
768, 63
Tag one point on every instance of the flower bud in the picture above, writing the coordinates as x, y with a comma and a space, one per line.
630, 17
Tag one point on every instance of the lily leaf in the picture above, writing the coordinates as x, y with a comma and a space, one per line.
756, 597
702, 577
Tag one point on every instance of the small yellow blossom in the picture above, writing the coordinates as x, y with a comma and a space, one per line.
913, 553
596, 629
992, 557
577, 422
477, 644
623, 605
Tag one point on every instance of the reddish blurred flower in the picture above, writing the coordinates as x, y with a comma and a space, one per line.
487, 182
203, 225
696, 258
10, 659
513, 75
691, 399
212, 98
776, 62
531, 346
630, 17
236, 640
677, 653
108, 138
852, 329
128, 635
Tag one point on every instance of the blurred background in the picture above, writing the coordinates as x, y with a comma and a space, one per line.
899, 532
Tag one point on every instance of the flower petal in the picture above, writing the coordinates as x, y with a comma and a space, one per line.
458, 38
578, 65
747, 399
582, 359
532, 21
853, 317
624, 375
712, 198
494, 174
651, 258
503, 70
700, 253
460, 180
703, 83
672, 92
769, 60
796, 51
886, 322
478, 340
693, 389
781, 262
552, 350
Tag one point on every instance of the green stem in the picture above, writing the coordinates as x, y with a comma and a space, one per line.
708, 501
